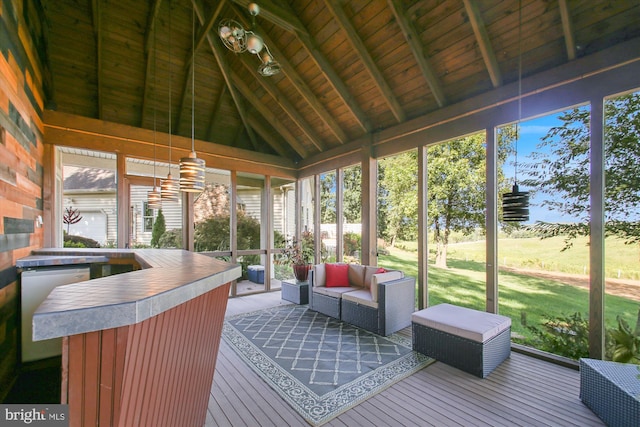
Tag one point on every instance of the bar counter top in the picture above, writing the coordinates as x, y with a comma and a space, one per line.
168, 278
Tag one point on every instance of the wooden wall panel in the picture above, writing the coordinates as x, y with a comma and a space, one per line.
20, 165
155, 373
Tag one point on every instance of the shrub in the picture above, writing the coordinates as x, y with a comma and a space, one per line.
171, 239
71, 241
564, 335
159, 228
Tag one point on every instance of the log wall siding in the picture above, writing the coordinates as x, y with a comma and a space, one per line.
155, 373
21, 156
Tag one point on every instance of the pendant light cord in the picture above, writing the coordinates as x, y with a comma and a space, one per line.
515, 176
170, 78
193, 77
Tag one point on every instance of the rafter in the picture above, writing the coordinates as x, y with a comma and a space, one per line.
567, 29
214, 113
267, 135
224, 68
149, 56
482, 38
332, 77
413, 39
284, 103
367, 60
268, 115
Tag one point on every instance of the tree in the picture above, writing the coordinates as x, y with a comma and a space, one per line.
71, 216
560, 168
400, 197
352, 194
456, 189
159, 227
328, 198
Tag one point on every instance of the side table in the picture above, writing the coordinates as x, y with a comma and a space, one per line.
296, 292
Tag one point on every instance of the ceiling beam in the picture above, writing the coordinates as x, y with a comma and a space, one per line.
268, 136
268, 116
189, 64
303, 89
334, 80
281, 17
284, 103
214, 113
567, 29
413, 39
150, 55
357, 43
482, 38
224, 69
97, 31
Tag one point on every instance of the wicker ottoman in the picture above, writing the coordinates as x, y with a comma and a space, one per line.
611, 390
471, 340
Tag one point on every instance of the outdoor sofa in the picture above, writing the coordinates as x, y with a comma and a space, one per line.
369, 297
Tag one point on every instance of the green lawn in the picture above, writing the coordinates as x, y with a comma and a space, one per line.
621, 260
464, 284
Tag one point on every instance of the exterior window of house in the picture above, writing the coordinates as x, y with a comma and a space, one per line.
148, 217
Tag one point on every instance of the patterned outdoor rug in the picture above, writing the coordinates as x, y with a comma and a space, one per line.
321, 366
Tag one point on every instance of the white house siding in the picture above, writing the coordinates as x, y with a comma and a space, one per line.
172, 215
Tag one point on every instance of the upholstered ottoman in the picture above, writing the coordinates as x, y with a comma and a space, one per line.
471, 340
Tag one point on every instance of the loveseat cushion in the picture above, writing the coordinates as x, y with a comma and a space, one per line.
369, 271
361, 296
337, 275
382, 278
335, 292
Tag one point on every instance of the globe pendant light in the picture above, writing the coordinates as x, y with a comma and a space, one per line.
515, 205
169, 187
192, 168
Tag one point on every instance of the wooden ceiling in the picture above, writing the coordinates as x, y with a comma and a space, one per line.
349, 68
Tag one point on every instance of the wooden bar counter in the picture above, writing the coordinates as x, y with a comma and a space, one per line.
139, 348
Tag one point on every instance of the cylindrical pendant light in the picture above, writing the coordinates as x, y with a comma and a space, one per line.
154, 198
192, 168
169, 188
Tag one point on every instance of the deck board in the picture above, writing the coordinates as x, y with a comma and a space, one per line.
522, 391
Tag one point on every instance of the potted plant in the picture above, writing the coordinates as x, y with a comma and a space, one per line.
299, 255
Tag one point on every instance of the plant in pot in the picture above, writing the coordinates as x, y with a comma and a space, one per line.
299, 255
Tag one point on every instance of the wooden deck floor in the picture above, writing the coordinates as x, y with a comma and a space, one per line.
523, 391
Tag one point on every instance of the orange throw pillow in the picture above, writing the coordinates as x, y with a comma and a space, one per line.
337, 275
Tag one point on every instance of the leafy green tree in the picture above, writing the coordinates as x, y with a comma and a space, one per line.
171, 239
328, 198
456, 189
560, 168
400, 197
159, 227
213, 234
352, 194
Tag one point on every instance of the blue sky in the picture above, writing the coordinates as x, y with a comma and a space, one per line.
531, 132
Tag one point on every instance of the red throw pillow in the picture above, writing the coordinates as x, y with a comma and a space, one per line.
381, 270
337, 275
